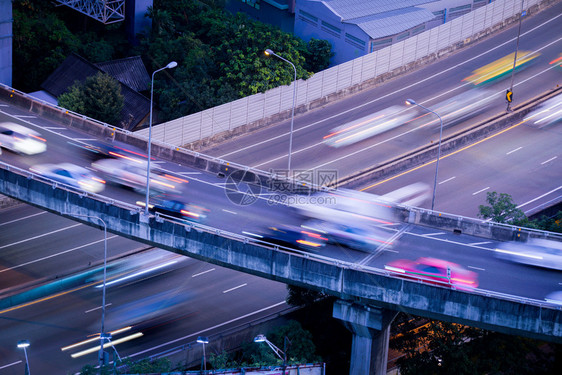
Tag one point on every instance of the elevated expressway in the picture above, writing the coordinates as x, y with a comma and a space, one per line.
502, 303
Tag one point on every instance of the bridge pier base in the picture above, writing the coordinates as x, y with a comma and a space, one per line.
371, 330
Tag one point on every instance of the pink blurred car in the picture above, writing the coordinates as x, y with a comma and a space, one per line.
435, 271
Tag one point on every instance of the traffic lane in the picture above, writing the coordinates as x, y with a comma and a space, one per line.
464, 62
69, 318
511, 162
31, 256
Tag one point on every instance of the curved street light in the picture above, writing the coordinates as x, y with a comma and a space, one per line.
170, 65
278, 352
203, 340
270, 52
24, 344
412, 102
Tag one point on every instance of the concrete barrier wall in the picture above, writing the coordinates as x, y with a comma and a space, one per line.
346, 281
237, 117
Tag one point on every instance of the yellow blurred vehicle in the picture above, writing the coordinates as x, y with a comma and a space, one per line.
501, 67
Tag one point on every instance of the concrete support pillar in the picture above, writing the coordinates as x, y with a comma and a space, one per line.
371, 330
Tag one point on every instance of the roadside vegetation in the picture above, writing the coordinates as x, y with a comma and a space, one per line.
220, 56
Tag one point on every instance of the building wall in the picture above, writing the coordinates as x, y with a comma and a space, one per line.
264, 12
346, 49
6, 42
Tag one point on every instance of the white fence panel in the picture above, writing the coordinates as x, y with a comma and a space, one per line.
330, 81
272, 102
345, 72
456, 31
208, 126
287, 96
444, 35
192, 128
239, 113
467, 26
409, 50
221, 118
422, 45
383, 61
369, 64
314, 87
302, 87
256, 107
396, 55
356, 76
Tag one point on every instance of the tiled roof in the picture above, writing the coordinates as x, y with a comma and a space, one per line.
351, 9
75, 68
129, 71
393, 22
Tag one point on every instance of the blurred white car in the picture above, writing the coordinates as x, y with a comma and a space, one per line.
549, 112
132, 173
535, 252
72, 175
369, 126
21, 140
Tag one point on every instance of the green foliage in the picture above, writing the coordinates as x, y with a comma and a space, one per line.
98, 97
146, 366
302, 296
318, 54
501, 209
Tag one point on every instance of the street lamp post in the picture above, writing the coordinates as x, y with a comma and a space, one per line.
278, 352
203, 340
103, 335
515, 56
270, 52
24, 344
412, 102
170, 65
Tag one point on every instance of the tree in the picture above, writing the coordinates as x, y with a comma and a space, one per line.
501, 209
98, 97
302, 296
318, 55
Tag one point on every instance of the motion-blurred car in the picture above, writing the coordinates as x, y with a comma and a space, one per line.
72, 175
359, 237
501, 67
131, 173
369, 126
95, 150
535, 252
434, 271
548, 112
21, 140
293, 236
178, 209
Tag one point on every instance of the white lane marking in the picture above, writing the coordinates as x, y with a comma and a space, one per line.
549, 160
236, 287
447, 180
23, 218
39, 236
3, 105
54, 255
539, 197
480, 243
230, 212
207, 329
85, 139
24, 116
10, 364
252, 234
476, 268
54, 128
97, 308
512, 151
187, 173
203, 272
479, 191
433, 234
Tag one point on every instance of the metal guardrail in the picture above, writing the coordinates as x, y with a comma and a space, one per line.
249, 240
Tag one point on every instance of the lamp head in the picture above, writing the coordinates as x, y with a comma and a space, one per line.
203, 340
23, 343
171, 65
410, 102
260, 338
269, 52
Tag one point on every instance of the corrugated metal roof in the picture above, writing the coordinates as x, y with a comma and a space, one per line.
129, 71
350, 9
393, 22
75, 68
